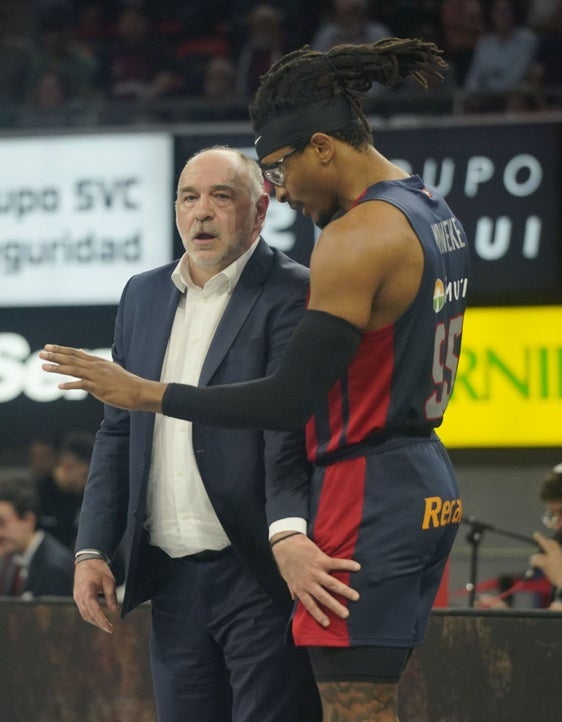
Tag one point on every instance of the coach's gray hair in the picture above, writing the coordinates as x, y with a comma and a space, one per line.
254, 170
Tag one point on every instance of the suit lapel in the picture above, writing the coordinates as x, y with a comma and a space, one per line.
160, 317
245, 295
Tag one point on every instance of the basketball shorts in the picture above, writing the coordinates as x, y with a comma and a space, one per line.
396, 510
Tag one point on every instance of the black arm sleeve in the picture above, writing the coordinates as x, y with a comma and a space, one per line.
317, 355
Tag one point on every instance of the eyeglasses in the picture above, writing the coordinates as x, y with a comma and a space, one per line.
551, 519
275, 173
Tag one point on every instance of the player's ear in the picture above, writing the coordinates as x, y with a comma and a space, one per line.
323, 145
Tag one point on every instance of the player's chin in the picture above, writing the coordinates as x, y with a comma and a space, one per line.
321, 219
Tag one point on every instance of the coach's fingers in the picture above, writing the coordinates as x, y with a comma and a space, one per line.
336, 586
309, 603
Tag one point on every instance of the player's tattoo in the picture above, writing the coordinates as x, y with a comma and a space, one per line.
358, 702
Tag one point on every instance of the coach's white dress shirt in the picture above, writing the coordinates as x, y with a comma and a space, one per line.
181, 519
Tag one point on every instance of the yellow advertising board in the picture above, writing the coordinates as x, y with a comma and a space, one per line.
508, 391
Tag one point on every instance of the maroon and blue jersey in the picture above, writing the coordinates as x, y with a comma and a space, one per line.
402, 377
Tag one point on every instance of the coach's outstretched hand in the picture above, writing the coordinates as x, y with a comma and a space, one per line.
105, 380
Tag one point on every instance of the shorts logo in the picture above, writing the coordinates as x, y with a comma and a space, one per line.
438, 295
439, 512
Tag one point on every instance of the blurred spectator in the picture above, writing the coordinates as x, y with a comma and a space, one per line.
551, 496
548, 561
406, 17
94, 24
502, 58
546, 69
49, 103
15, 67
540, 13
300, 21
60, 494
32, 563
219, 81
265, 43
219, 97
42, 456
137, 65
59, 52
204, 18
350, 22
462, 23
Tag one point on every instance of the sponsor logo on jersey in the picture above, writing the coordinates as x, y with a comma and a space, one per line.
440, 512
438, 295
455, 290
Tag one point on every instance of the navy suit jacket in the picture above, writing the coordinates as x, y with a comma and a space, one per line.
267, 303
51, 571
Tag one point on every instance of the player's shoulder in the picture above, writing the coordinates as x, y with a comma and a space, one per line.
366, 224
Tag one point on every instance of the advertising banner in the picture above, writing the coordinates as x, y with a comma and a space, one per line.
508, 390
79, 215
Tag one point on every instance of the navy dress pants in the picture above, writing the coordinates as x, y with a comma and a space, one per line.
218, 650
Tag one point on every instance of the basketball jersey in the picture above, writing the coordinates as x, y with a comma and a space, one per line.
402, 376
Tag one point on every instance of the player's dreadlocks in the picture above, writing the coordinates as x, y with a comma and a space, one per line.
306, 76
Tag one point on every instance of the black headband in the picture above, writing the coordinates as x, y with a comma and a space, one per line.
321, 116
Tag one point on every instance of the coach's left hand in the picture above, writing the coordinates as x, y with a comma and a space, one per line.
309, 576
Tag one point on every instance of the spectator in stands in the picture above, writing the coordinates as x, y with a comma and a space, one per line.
546, 70
502, 58
405, 17
42, 456
95, 24
462, 23
265, 43
219, 98
15, 64
350, 22
60, 494
49, 103
540, 14
58, 52
300, 21
32, 562
137, 65
219, 81
550, 560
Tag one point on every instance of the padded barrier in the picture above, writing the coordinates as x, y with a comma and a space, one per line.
474, 666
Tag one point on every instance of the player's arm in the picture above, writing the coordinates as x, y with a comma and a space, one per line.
318, 353
350, 269
367, 266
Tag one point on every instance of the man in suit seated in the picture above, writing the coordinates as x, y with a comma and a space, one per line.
32, 562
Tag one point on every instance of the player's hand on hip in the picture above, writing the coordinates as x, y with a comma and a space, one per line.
309, 574
93, 578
